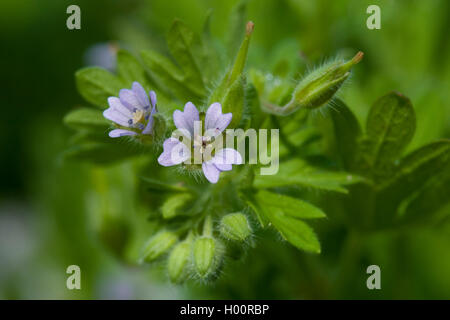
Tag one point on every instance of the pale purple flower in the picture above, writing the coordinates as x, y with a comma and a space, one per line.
131, 111
176, 152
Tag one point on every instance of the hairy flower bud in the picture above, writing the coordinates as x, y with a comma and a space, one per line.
317, 88
320, 86
207, 256
158, 245
178, 261
234, 226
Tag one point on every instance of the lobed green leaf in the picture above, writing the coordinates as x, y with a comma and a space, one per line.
390, 127
298, 233
87, 118
99, 153
181, 41
96, 85
293, 207
414, 171
346, 131
298, 172
130, 69
169, 75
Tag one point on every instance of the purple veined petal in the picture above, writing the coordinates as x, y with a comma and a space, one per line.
210, 171
223, 167
116, 116
140, 93
149, 126
153, 98
174, 153
186, 119
130, 100
116, 104
215, 119
120, 133
212, 114
227, 156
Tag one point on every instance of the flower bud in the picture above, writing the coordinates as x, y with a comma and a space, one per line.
207, 256
234, 226
178, 261
319, 87
158, 245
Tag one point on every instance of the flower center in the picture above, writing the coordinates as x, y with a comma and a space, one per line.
138, 116
202, 142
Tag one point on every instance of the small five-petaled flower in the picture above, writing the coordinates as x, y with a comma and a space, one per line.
132, 111
177, 152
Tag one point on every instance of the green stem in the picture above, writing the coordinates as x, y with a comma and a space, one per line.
277, 110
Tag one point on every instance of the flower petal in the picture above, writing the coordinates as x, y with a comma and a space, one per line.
185, 120
116, 116
215, 120
211, 172
129, 99
120, 133
223, 167
227, 156
116, 104
149, 126
174, 153
153, 98
140, 94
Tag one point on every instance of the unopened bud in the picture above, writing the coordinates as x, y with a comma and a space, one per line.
207, 256
178, 261
158, 245
234, 226
317, 88
320, 86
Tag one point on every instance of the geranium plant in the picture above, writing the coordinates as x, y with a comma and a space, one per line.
203, 213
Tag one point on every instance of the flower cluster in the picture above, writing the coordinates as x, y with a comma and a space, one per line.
131, 112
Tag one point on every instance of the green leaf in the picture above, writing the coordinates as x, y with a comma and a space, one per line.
159, 186
257, 210
99, 153
181, 41
298, 172
210, 55
390, 127
413, 172
284, 58
433, 196
293, 207
87, 118
298, 233
231, 86
97, 84
236, 24
422, 163
284, 217
346, 131
167, 73
173, 204
130, 69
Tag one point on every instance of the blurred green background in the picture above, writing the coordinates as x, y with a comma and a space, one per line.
49, 209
